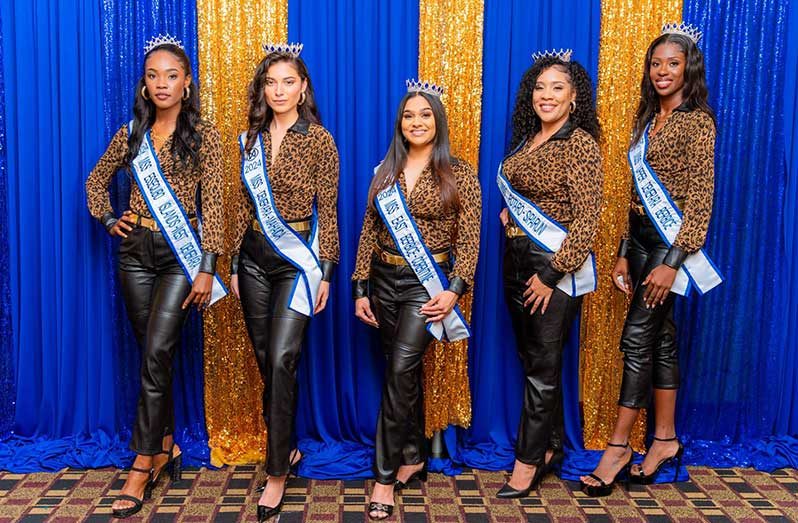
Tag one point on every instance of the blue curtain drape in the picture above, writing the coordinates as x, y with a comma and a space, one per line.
70, 72
514, 29
737, 401
359, 53
7, 381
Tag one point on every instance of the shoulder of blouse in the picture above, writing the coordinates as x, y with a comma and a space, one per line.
584, 139
208, 130
319, 131
462, 168
700, 120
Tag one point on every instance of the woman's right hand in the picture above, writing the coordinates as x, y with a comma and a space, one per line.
234, 285
122, 225
363, 312
620, 276
504, 217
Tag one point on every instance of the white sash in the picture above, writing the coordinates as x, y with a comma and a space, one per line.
167, 211
549, 234
394, 212
283, 239
697, 269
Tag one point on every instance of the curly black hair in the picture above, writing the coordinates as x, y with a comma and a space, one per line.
526, 122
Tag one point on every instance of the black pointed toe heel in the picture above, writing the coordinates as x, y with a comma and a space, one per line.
604, 488
647, 479
420, 475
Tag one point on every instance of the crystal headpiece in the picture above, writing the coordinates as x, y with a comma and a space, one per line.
154, 42
415, 86
690, 31
564, 55
292, 49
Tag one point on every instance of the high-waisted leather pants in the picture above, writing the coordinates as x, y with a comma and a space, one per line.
396, 297
540, 339
154, 287
648, 341
265, 281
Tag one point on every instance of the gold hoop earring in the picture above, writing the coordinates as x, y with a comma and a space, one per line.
302, 98
186, 93
144, 93
573, 106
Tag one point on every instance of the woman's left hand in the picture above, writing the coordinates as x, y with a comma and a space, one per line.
537, 294
440, 306
321, 298
658, 284
200, 291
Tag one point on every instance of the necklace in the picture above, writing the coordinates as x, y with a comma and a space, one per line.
158, 139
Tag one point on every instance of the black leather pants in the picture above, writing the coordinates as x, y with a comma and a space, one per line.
265, 282
154, 287
396, 297
648, 341
540, 339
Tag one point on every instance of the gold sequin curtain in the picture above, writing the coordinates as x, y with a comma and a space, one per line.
450, 53
627, 28
231, 33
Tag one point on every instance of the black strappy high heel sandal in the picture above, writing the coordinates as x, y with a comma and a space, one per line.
122, 513
605, 489
173, 465
648, 479
420, 475
508, 492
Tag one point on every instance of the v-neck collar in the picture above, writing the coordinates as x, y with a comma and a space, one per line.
421, 176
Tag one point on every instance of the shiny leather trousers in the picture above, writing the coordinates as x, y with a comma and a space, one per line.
265, 281
540, 339
648, 342
154, 287
396, 297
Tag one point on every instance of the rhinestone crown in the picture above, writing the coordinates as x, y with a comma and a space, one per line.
415, 86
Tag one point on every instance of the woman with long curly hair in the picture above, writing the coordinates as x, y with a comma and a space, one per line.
672, 162
417, 255
552, 186
286, 246
163, 267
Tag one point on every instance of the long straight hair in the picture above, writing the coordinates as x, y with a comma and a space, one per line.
396, 158
186, 140
694, 92
260, 114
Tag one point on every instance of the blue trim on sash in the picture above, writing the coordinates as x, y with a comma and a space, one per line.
691, 280
154, 214
314, 225
441, 276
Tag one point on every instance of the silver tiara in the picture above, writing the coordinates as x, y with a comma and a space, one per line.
415, 86
690, 31
292, 49
161, 39
563, 55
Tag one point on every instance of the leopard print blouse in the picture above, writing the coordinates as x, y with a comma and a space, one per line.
456, 230
563, 177
682, 153
306, 167
184, 181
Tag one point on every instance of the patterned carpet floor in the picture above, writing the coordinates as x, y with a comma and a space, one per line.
227, 495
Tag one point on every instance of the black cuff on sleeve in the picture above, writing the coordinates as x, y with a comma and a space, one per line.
327, 270
623, 248
549, 276
675, 257
360, 289
208, 263
108, 220
234, 264
458, 285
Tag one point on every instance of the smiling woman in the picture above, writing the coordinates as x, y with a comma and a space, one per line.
163, 267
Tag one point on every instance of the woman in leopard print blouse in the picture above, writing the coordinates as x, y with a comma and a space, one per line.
443, 198
556, 164
301, 163
156, 291
681, 152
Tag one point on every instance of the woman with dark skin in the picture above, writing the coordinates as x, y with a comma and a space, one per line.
681, 152
555, 164
157, 292
443, 198
302, 167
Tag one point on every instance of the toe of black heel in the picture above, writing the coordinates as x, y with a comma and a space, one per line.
379, 507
